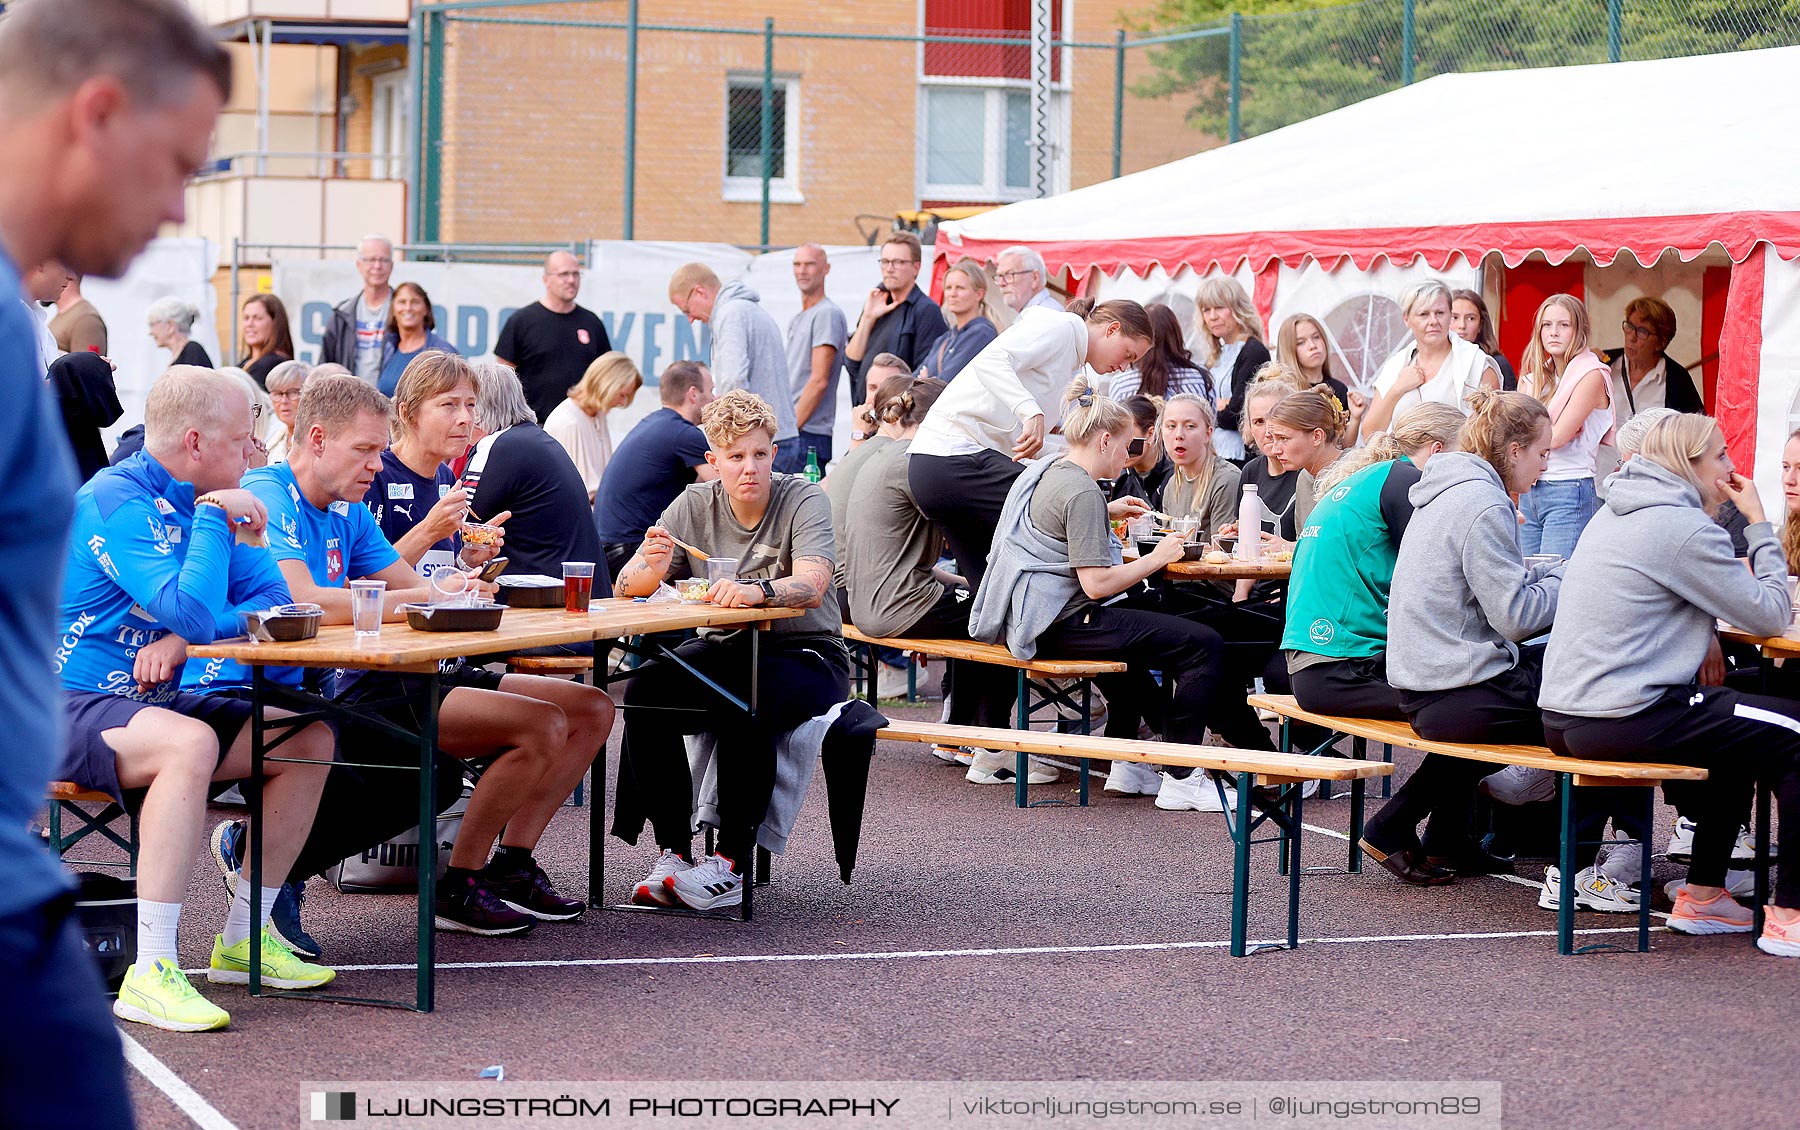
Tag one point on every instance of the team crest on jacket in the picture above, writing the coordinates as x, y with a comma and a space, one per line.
1321, 632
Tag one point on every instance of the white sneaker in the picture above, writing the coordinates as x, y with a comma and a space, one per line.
950, 755
1132, 778
1681, 841
995, 767
1741, 884
1519, 784
654, 890
890, 682
1593, 891
1744, 851
1623, 863
1194, 793
708, 885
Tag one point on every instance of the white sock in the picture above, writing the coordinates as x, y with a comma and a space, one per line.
156, 922
237, 923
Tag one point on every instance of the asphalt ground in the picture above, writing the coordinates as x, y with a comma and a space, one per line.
980, 941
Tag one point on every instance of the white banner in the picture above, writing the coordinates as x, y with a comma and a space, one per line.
627, 285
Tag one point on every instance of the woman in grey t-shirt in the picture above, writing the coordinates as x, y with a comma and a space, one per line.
778, 528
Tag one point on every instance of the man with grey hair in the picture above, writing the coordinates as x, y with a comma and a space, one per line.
106, 109
551, 342
356, 332
1023, 280
517, 466
157, 564
815, 352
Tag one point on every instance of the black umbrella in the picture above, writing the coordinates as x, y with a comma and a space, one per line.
845, 754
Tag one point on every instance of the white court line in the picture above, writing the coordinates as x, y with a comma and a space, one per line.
203, 1113
997, 951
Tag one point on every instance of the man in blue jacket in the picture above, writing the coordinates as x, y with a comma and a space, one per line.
157, 563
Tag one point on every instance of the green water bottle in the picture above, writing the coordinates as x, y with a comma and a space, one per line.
812, 472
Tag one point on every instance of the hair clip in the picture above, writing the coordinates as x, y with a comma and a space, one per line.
1085, 400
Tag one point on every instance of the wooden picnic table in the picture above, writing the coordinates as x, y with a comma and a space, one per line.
401, 649
1234, 570
1784, 646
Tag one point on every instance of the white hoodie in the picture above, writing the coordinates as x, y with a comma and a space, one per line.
1022, 373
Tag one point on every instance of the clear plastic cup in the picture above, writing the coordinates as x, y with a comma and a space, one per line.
365, 607
450, 585
578, 586
721, 568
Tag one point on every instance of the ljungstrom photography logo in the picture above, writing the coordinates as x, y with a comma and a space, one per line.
334, 1106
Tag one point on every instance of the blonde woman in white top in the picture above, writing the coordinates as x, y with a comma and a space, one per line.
1436, 367
1575, 385
579, 423
1003, 408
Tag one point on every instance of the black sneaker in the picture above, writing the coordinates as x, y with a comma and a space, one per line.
228, 845
528, 889
469, 906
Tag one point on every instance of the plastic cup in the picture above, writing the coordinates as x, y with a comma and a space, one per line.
365, 607
578, 586
721, 568
450, 585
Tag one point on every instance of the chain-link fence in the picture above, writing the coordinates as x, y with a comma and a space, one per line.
541, 119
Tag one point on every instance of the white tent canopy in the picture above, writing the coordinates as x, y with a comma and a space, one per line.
1638, 157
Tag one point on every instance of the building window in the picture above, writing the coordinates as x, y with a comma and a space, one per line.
388, 124
743, 139
977, 142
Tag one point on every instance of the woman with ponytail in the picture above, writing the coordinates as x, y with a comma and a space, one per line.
1002, 410
1461, 603
1150, 467
1058, 586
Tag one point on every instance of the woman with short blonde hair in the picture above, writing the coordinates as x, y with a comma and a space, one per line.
1436, 367
579, 422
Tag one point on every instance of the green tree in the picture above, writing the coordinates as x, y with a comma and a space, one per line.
1301, 60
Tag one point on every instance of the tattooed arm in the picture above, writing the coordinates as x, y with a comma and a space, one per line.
805, 589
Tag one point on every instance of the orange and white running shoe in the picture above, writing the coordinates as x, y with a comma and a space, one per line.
1720, 914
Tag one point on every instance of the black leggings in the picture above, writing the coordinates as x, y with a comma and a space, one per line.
1739, 739
799, 678
963, 495
981, 694
1191, 657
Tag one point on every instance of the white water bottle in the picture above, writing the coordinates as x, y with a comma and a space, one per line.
1250, 516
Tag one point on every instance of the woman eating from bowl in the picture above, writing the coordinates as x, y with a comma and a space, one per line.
1620, 673
1149, 468
1437, 367
778, 530
1572, 382
579, 422
1057, 570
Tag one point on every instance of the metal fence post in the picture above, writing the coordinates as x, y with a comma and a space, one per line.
1237, 83
1408, 43
236, 266
1118, 99
631, 52
768, 120
1615, 30
432, 139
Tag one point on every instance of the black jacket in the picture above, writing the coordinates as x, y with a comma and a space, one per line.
908, 333
1683, 391
1252, 357
338, 346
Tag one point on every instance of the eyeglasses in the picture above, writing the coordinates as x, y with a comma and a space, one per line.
896, 264
284, 394
1633, 330
1004, 277
376, 260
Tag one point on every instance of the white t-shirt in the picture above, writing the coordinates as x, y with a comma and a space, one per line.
1457, 379
1021, 373
1575, 459
371, 328
585, 438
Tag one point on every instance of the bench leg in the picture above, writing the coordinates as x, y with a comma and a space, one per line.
1565, 896
1387, 782
1020, 769
1240, 868
1087, 727
1644, 871
1762, 855
597, 833
1357, 792
1297, 793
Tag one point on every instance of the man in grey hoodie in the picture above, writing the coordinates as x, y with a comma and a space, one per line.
748, 350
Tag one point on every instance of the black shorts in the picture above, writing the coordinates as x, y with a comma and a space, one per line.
407, 692
89, 762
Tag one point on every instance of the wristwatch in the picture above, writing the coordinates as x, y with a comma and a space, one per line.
768, 589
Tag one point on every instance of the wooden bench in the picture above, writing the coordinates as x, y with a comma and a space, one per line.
1571, 772
1033, 678
66, 797
1268, 784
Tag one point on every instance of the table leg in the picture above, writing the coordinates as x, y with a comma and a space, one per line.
1565, 895
1295, 813
255, 798
1240, 867
425, 976
1024, 714
755, 689
1644, 871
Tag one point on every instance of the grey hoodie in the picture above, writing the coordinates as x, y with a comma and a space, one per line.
1462, 595
1029, 579
748, 352
1649, 577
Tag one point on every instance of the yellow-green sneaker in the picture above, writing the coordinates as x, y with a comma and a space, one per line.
158, 994
280, 968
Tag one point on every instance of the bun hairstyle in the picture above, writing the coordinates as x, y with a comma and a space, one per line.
1087, 414
908, 409
1081, 307
1275, 375
1312, 410
885, 392
1497, 420
1417, 429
